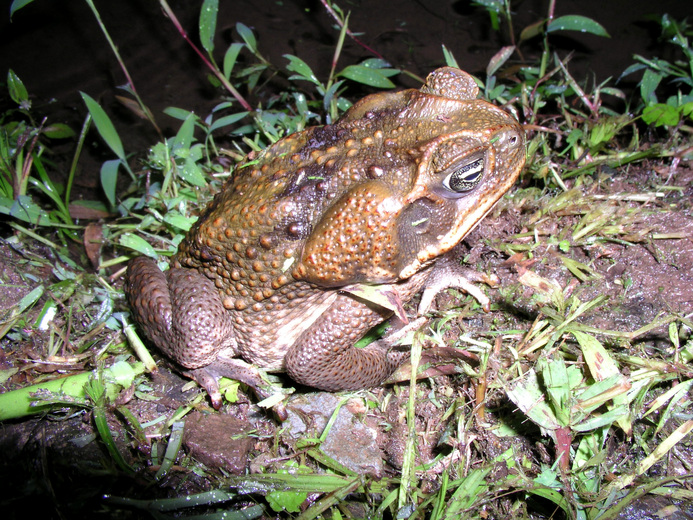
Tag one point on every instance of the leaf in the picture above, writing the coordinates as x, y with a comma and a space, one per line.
532, 30
575, 22
138, 244
366, 76
17, 90
29, 299
601, 364
227, 120
230, 58
378, 63
25, 209
58, 131
450, 60
649, 83
104, 126
529, 397
631, 69
109, 179
289, 501
301, 68
687, 109
185, 135
177, 113
499, 59
93, 239
17, 5
600, 420
178, 221
191, 173
661, 114
208, 24
385, 296
248, 36
88, 209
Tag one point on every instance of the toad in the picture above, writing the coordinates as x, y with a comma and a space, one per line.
269, 275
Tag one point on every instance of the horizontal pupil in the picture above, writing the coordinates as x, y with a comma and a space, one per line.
466, 177
471, 166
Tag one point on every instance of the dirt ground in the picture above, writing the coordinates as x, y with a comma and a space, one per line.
51, 465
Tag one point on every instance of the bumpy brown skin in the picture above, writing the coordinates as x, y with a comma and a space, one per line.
373, 199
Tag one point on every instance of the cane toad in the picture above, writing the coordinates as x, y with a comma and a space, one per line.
373, 199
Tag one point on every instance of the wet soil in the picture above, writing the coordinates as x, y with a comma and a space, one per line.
57, 459
53, 465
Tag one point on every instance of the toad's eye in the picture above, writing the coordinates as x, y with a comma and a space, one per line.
465, 176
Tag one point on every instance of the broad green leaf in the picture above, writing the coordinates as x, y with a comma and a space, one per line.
575, 22
17, 90
179, 221
208, 23
661, 114
687, 109
191, 173
25, 209
367, 76
185, 135
109, 179
17, 5
529, 397
289, 501
104, 126
380, 64
227, 120
301, 68
601, 364
230, 58
138, 244
177, 113
58, 131
560, 381
648, 85
248, 36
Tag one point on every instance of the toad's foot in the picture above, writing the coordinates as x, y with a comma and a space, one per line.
239, 370
446, 274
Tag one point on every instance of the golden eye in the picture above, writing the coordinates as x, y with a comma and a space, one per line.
465, 177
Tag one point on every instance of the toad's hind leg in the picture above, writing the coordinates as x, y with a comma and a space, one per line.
180, 311
324, 356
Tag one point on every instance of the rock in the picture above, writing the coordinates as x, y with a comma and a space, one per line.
218, 441
349, 441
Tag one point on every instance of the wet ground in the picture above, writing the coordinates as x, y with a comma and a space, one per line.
49, 458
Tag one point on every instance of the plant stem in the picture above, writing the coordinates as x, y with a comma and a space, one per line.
131, 84
340, 22
215, 70
78, 152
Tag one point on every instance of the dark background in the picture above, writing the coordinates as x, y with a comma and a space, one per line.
57, 48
